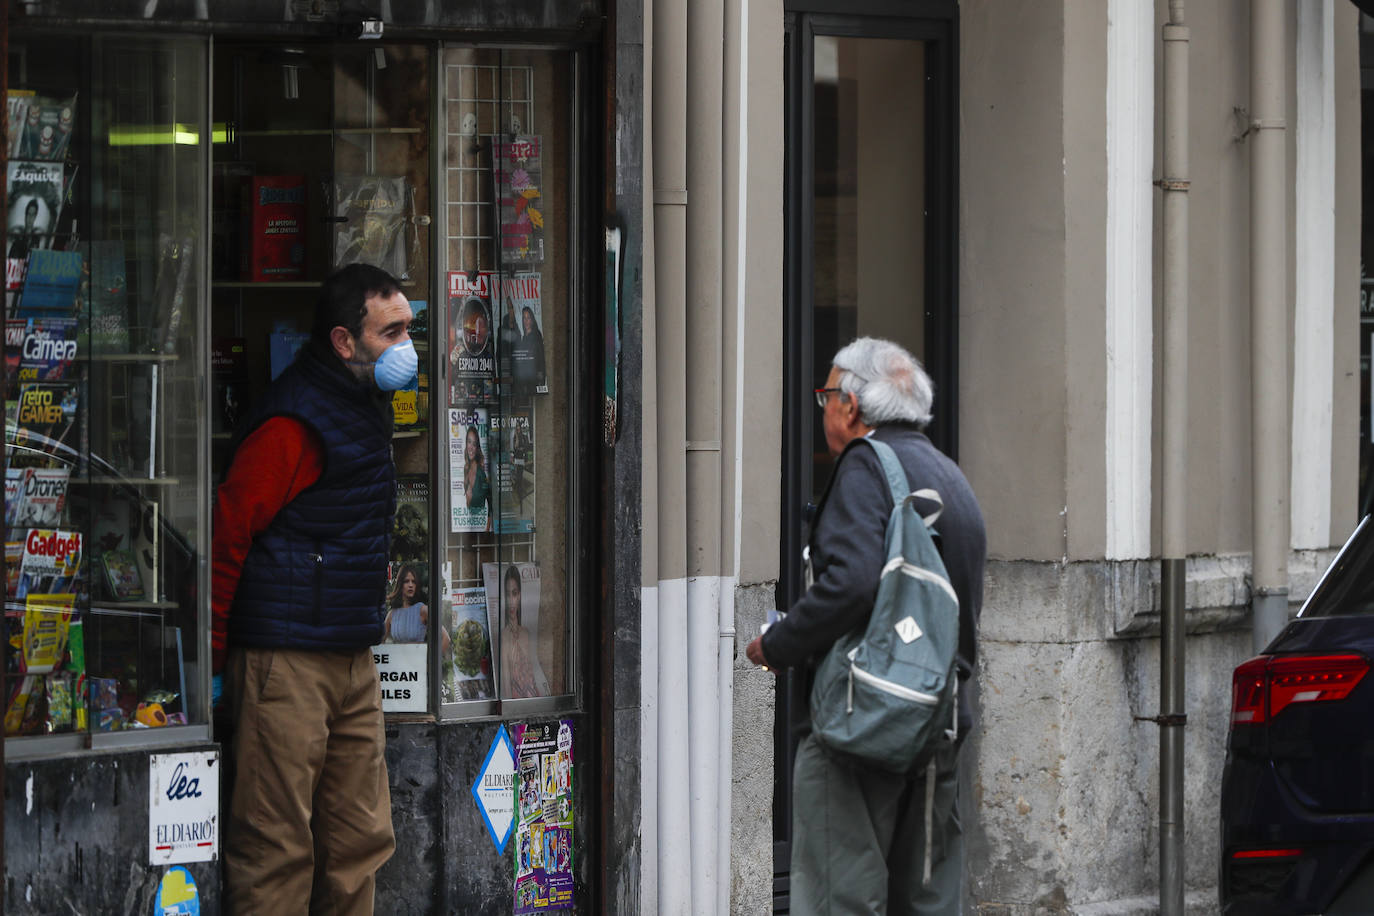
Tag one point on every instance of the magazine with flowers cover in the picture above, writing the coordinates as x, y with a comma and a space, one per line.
519, 178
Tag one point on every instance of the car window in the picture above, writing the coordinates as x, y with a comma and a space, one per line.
1347, 586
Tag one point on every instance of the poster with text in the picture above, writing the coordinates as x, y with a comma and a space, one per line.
543, 817
471, 350
469, 469
513, 601
471, 674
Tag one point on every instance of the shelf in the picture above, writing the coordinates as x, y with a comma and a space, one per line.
134, 357
106, 481
266, 284
278, 284
326, 131
132, 608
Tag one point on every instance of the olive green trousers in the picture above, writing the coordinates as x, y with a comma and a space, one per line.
860, 838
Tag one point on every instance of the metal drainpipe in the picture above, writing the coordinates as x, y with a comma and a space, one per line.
703, 354
668, 139
1269, 442
1174, 509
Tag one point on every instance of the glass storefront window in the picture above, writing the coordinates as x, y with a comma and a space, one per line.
870, 202
105, 453
509, 316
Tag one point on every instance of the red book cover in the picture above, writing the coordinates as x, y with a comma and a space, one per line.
274, 215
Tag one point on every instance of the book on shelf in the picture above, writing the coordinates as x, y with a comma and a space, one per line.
19, 101
47, 416
226, 219
122, 577
173, 284
371, 211
48, 125
146, 547
283, 345
41, 498
410, 530
34, 195
111, 524
229, 375
52, 281
274, 216
109, 297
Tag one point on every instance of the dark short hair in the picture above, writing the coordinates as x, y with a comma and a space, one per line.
343, 299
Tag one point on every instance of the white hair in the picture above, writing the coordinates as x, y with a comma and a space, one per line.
888, 381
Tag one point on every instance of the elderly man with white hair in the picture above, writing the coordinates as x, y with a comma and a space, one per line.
859, 835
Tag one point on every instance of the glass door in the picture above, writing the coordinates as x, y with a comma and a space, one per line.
870, 193
323, 158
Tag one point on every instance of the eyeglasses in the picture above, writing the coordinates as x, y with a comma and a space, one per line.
823, 395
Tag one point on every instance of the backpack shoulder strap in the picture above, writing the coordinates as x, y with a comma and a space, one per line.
896, 476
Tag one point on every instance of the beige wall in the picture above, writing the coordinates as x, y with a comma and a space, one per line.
760, 354
1012, 283
1085, 283
1031, 276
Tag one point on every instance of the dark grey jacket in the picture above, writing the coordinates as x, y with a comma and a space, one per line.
847, 555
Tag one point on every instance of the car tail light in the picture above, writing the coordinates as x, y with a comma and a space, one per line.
1263, 687
1245, 854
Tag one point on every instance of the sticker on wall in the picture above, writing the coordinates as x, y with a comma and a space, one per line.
494, 789
183, 808
544, 817
177, 894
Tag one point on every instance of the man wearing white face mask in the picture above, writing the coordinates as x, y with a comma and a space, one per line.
302, 522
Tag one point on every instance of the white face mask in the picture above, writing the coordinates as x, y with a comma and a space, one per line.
397, 367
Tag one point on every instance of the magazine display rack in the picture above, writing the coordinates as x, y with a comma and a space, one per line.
103, 455
507, 541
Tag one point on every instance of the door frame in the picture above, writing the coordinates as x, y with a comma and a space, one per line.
934, 22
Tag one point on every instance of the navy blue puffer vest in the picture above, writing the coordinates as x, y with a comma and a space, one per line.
316, 578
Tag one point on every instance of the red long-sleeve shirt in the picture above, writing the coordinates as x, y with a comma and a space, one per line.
271, 467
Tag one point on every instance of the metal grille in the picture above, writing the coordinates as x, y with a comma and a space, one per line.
481, 102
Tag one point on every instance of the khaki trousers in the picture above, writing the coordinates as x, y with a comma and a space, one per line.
310, 814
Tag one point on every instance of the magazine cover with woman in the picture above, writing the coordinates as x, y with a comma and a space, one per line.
469, 469
513, 607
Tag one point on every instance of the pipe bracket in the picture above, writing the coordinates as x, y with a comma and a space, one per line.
1173, 184
1166, 721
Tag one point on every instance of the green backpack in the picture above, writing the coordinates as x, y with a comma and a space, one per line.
885, 692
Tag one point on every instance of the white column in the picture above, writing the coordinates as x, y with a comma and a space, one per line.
1129, 293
